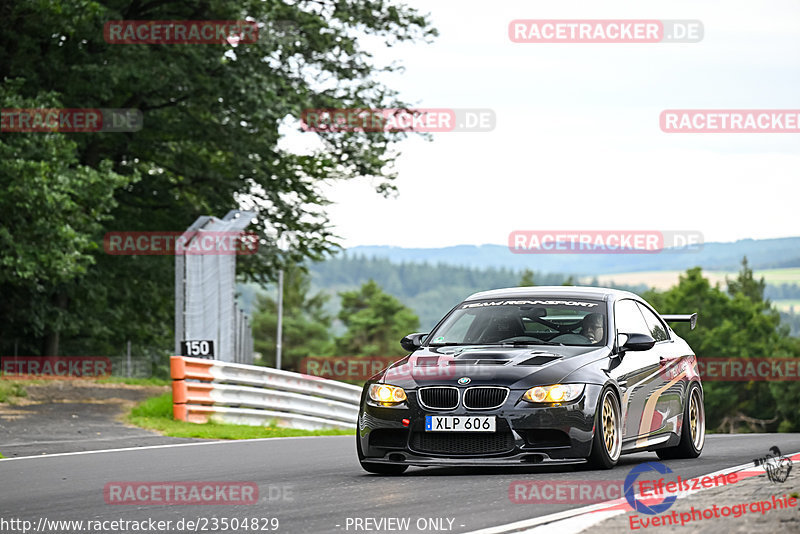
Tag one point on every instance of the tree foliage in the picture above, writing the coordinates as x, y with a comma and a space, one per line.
51, 206
527, 279
210, 142
737, 323
375, 321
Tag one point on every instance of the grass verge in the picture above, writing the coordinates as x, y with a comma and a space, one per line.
11, 390
156, 414
134, 381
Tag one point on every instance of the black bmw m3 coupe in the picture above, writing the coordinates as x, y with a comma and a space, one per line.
532, 375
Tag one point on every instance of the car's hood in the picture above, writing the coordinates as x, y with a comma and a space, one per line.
514, 367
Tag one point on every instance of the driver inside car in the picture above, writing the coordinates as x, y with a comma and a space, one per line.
502, 327
592, 327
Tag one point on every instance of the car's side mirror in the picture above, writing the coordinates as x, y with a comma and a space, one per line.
412, 342
635, 342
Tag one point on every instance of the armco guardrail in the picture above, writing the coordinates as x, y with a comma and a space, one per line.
204, 390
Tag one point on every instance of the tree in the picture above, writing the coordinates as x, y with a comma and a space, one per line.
305, 322
527, 279
210, 143
375, 323
745, 284
51, 207
734, 324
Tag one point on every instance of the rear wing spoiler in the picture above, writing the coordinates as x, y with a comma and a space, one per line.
691, 319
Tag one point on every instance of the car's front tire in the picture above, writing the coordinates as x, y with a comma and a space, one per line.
384, 469
693, 429
607, 441
378, 469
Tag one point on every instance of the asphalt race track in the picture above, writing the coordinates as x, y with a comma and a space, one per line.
313, 485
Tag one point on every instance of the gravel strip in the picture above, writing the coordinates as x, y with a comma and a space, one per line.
75, 416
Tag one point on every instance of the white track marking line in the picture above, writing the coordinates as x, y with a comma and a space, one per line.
574, 525
569, 518
168, 446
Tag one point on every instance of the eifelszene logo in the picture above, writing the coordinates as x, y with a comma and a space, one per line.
639, 506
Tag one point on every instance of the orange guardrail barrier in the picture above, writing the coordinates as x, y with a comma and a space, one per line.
254, 395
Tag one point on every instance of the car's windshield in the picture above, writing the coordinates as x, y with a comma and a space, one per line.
540, 320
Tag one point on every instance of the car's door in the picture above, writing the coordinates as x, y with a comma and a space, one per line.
638, 373
665, 409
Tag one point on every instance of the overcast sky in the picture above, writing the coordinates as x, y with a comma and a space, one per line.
577, 143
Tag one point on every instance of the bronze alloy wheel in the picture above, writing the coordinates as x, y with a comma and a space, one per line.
697, 419
611, 426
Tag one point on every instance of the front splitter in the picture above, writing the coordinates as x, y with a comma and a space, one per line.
521, 459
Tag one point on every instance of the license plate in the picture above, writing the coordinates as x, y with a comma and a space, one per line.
453, 423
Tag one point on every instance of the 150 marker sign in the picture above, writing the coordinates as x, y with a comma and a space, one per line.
198, 349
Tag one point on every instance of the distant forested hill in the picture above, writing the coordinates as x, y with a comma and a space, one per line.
430, 290
762, 254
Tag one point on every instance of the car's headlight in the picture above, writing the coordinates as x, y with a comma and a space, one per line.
386, 394
554, 393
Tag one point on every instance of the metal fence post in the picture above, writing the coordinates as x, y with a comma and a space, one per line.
279, 333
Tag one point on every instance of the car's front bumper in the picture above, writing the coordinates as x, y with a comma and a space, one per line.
521, 459
526, 434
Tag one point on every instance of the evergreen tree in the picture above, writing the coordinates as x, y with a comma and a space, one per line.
747, 285
375, 321
527, 279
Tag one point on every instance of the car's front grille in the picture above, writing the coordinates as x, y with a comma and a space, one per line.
485, 398
462, 443
439, 398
